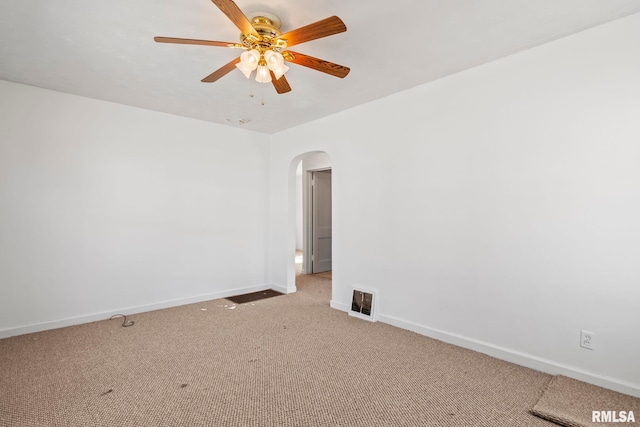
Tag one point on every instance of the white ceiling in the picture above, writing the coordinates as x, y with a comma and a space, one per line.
105, 50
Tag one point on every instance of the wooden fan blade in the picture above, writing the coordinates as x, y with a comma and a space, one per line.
281, 85
233, 12
323, 28
316, 64
221, 72
193, 41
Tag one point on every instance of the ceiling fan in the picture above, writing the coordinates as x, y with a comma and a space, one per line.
266, 47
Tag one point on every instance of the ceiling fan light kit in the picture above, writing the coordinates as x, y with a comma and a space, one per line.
264, 52
265, 47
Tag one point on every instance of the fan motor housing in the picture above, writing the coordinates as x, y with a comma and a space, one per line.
267, 26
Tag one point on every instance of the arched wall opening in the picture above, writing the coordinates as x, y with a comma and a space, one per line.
299, 233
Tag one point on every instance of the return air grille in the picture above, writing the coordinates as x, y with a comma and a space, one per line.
362, 304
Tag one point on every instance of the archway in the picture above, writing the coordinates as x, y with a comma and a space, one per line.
300, 209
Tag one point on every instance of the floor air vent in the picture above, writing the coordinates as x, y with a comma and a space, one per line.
363, 304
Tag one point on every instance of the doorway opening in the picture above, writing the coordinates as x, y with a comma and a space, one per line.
313, 215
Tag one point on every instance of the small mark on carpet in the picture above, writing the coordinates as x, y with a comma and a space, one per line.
107, 392
183, 385
253, 360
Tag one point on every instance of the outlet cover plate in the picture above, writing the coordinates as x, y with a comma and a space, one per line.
587, 340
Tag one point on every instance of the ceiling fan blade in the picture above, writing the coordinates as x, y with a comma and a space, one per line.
323, 28
221, 72
233, 12
316, 64
193, 41
281, 85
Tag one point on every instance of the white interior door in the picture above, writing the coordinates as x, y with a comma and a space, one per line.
321, 218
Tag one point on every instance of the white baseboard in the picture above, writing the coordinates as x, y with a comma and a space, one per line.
284, 289
522, 359
37, 327
339, 306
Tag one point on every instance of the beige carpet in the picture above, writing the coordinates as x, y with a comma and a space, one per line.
570, 403
325, 275
285, 361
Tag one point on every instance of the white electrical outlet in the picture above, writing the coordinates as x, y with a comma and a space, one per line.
587, 340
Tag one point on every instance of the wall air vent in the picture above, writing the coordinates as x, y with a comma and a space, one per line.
363, 304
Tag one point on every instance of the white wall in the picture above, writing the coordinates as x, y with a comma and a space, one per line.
299, 220
106, 208
316, 161
497, 208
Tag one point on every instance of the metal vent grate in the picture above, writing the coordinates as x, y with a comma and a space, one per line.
362, 304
